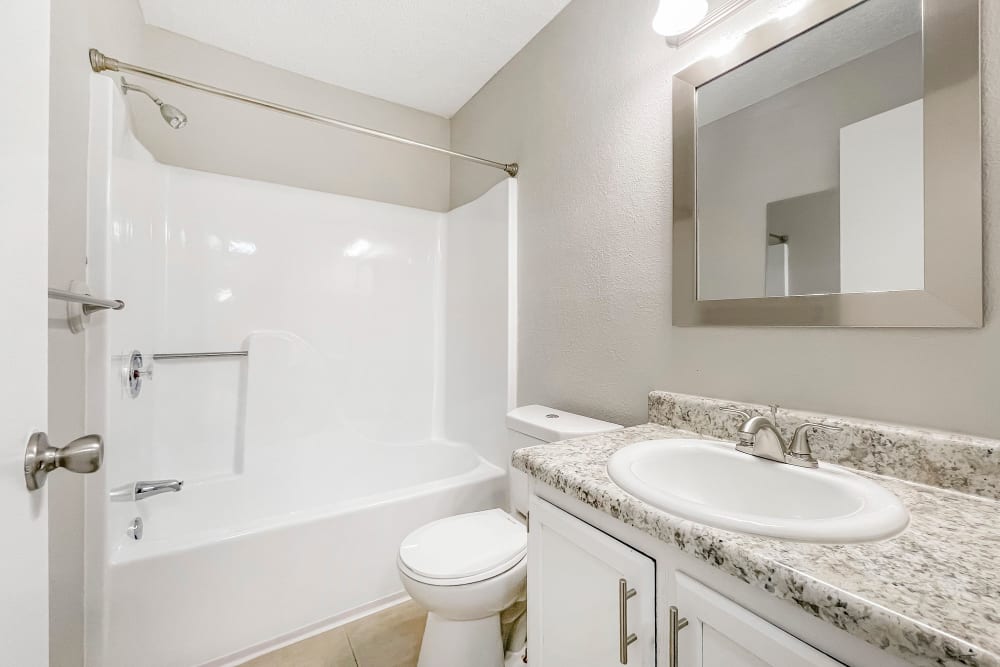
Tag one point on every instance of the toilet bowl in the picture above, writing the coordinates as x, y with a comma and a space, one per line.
464, 570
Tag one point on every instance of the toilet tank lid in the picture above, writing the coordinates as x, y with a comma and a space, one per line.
549, 425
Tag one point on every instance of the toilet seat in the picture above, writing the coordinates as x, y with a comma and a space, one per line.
463, 549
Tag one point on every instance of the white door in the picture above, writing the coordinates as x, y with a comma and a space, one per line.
721, 633
24, 128
582, 610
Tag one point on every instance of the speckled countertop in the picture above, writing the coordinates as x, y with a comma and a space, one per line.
930, 595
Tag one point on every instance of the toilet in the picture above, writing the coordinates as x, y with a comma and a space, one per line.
466, 569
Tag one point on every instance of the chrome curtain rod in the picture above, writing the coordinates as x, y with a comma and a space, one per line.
100, 62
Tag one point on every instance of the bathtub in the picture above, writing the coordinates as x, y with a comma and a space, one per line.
269, 565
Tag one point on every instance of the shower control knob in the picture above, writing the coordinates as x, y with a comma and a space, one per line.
134, 372
83, 455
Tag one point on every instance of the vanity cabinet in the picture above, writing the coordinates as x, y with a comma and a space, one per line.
721, 633
581, 613
588, 595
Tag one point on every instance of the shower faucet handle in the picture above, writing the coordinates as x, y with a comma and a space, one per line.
134, 371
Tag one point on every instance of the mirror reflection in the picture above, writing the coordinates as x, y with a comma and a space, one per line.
810, 162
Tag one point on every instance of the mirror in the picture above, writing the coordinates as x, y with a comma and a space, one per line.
808, 170
810, 162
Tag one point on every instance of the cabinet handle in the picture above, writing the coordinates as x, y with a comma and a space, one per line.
624, 638
676, 625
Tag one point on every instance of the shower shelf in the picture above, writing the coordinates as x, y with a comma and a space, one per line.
200, 355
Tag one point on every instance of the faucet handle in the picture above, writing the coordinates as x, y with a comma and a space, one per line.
745, 439
799, 452
733, 410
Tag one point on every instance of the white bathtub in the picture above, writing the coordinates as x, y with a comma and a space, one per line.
228, 568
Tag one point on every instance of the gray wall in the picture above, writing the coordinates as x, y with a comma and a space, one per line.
585, 109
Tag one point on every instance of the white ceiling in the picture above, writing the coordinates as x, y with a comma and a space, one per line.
431, 55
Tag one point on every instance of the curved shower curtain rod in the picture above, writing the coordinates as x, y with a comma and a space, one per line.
100, 63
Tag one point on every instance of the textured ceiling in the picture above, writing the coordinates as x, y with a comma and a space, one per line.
431, 55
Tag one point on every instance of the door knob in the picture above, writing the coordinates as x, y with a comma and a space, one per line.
83, 455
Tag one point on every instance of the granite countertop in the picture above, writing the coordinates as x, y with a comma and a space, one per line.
930, 595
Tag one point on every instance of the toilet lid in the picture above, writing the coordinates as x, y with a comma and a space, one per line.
466, 545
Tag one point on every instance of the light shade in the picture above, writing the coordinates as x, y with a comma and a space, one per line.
674, 17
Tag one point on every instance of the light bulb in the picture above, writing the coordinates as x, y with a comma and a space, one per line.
675, 17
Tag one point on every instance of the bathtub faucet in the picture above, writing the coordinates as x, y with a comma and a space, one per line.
155, 488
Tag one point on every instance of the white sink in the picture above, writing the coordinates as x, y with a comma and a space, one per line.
711, 483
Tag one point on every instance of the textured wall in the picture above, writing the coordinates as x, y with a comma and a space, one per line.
585, 109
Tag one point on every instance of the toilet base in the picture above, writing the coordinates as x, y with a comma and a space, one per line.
461, 643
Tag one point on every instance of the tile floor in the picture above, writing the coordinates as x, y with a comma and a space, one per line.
390, 638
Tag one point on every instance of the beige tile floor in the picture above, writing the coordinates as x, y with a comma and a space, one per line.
390, 638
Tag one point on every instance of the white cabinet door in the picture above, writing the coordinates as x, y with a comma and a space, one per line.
577, 614
24, 131
720, 633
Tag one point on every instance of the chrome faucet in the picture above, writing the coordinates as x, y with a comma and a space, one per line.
142, 490
760, 437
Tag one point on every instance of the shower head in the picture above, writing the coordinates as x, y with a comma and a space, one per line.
175, 117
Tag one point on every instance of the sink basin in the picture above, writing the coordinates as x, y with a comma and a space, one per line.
711, 483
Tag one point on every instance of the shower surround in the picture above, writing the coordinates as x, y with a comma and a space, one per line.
371, 400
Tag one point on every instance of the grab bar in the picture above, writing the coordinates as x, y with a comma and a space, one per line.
90, 303
199, 355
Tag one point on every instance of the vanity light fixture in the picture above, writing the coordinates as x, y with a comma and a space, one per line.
675, 17
699, 18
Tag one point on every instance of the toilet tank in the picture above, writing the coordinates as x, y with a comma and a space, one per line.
537, 424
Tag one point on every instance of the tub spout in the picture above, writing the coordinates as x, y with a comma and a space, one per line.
155, 488
150, 489
140, 490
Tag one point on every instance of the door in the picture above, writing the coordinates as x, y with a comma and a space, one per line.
24, 114
720, 633
591, 599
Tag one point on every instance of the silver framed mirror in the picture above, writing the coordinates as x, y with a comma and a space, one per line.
828, 170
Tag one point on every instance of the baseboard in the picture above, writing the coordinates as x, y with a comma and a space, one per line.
311, 630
